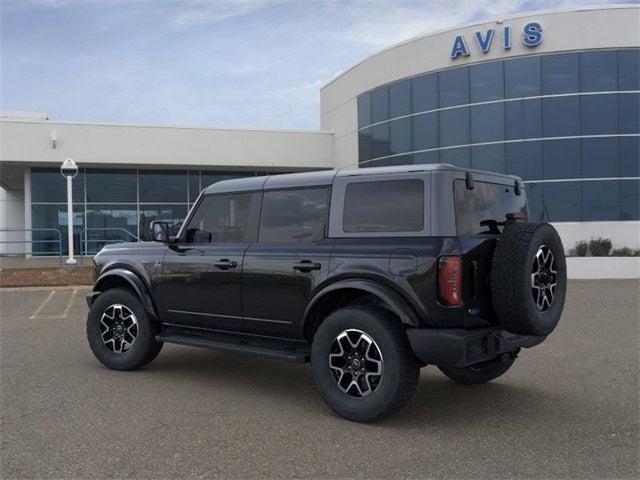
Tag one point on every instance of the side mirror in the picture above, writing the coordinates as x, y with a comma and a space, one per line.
160, 231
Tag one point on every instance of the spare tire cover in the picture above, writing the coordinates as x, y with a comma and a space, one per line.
529, 278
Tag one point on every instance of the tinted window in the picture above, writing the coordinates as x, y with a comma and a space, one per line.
629, 70
425, 131
629, 200
384, 206
379, 105
598, 71
629, 113
210, 177
562, 201
630, 156
424, 93
534, 201
561, 159
364, 110
453, 87
163, 186
194, 185
426, 157
488, 157
364, 144
600, 157
172, 214
487, 81
599, 114
522, 77
111, 186
48, 185
400, 99
560, 73
523, 119
293, 216
48, 242
380, 140
487, 201
524, 159
454, 127
459, 157
561, 116
400, 135
223, 219
487, 123
600, 201
115, 218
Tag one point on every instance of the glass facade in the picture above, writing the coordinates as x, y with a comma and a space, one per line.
567, 123
114, 205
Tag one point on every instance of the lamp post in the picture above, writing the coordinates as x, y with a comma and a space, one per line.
69, 169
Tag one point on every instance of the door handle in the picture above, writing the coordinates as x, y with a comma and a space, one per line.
306, 266
225, 264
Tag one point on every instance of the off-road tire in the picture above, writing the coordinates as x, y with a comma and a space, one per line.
400, 368
481, 373
511, 278
142, 351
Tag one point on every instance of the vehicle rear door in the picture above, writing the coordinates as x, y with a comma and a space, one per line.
202, 272
289, 260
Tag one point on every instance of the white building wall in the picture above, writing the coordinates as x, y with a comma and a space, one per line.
11, 217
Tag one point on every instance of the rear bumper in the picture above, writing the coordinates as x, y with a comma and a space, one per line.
458, 347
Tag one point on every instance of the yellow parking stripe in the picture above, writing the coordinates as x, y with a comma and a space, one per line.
42, 305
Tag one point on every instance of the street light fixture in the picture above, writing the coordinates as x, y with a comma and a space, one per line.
69, 169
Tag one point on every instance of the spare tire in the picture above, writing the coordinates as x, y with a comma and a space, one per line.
528, 278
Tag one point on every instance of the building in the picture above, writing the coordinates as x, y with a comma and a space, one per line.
551, 96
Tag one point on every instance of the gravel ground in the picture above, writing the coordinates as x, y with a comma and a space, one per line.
567, 409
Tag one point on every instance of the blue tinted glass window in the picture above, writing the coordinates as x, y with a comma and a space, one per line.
426, 157
364, 110
561, 116
379, 104
459, 157
194, 185
629, 112
453, 86
163, 186
600, 157
630, 156
424, 92
487, 81
400, 98
400, 135
524, 159
454, 127
112, 186
116, 218
47, 242
488, 157
599, 114
523, 119
425, 131
380, 140
534, 201
487, 123
600, 201
49, 186
174, 215
522, 77
561, 159
562, 201
629, 69
599, 71
560, 73
629, 200
364, 144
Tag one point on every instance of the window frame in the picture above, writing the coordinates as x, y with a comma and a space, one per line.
325, 230
336, 215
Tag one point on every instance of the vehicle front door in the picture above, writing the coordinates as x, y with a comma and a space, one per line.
202, 271
289, 261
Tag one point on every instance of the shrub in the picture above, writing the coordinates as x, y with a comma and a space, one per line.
600, 247
581, 248
625, 252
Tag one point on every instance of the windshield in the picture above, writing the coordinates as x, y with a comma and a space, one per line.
481, 210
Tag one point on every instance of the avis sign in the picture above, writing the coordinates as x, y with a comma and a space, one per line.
531, 37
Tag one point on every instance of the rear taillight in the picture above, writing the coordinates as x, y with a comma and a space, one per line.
450, 280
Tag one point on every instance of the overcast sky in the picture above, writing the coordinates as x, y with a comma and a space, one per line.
244, 63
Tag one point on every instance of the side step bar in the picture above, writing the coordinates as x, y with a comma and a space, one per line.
286, 350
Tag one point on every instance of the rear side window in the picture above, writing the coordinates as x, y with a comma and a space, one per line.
294, 216
224, 219
384, 206
487, 203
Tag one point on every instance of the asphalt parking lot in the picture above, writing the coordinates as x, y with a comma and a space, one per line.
567, 409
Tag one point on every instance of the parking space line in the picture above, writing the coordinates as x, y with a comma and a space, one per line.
42, 305
69, 304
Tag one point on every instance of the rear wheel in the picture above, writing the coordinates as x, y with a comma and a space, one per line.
480, 373
119, 331
362, 363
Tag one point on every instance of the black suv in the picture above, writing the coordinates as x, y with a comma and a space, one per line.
368, 273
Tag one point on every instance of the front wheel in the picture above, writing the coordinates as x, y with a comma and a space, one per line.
362, 363
119, 331
482, 372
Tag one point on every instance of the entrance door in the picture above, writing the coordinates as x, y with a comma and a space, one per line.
202, 271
